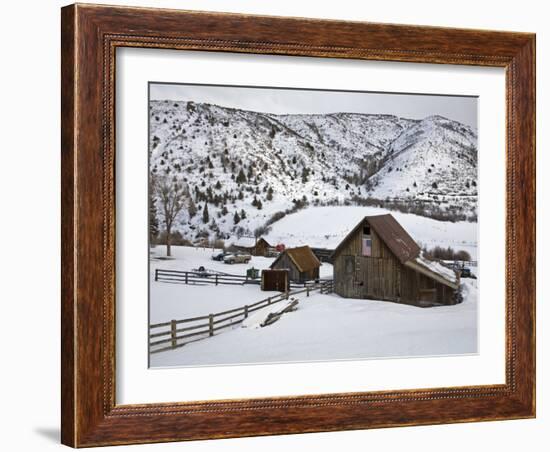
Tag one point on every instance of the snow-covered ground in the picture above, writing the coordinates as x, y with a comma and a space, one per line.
328, 327
325, 327
325, 227
178, 301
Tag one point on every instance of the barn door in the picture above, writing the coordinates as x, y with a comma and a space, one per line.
349, 274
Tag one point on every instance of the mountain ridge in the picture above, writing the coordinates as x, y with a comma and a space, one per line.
229, 157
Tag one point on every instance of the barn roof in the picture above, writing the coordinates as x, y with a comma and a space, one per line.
435, 270
405, 249
392, 234
302, 256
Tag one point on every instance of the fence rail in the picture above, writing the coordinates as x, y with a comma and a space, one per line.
205, 278
167, 335
460, 263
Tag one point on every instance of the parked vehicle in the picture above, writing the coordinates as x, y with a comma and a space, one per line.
237, 258
219, 256
467, 273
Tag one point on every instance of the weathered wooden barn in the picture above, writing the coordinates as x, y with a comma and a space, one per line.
254, 246
301, 263
379, 260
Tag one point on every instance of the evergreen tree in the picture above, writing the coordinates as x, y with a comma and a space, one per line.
269, 196
205, 216
243, 214
236, 218
259, 205
218, 185
241, 178
305, 174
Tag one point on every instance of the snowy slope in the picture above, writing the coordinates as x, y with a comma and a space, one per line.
228, 158
325, 227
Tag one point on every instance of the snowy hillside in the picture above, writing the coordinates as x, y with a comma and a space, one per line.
300, 228
249, 168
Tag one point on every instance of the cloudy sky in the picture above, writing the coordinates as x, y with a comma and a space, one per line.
292, 101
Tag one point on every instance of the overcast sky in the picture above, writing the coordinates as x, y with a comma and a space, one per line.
292, 101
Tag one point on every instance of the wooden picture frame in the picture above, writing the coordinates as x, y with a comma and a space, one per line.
90, 36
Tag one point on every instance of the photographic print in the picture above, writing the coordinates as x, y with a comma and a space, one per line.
295, 225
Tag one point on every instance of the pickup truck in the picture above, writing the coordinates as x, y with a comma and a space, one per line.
237, 258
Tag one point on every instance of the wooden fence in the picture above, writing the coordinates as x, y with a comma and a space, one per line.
205, 278
450, 263
202, 278
327, 286
168, 335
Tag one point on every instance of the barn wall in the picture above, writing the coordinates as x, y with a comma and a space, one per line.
381, 276
285, 262
261, 248
416, 287
377, 276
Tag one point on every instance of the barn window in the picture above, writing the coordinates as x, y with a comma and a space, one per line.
366, 229
367, 247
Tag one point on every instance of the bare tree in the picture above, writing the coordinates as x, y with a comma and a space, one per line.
173, 196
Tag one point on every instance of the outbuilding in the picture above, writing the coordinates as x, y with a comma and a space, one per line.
256, 246
301, 263
379, 260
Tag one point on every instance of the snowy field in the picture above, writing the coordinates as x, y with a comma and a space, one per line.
324, 327
178, 301
328, 327
325, 227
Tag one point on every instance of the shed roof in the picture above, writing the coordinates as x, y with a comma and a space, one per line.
392, 234
302, 256
245, 242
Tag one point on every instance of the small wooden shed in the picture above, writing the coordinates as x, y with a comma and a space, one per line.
379, 260
254, 246
301, 263
277, 279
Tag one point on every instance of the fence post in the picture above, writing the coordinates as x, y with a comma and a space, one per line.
216, 279
268, 300
173, 327
286, 295
186, 282
156, 274
211, 324
307, 291
245, 311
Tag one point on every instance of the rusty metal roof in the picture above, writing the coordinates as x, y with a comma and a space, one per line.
392, 234
302, 256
